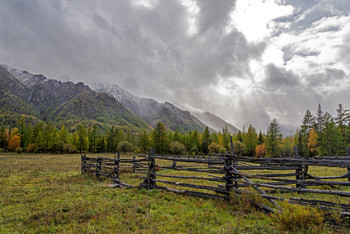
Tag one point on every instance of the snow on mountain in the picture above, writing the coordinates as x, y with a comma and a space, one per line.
26, 78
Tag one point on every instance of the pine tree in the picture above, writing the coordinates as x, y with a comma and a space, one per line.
273, 139
307, 124
160, 139
144, 142
319, 124
82, 143
260, 138
332, 142
251, 141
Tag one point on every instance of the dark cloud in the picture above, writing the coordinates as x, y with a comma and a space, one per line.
150, 52
279, 78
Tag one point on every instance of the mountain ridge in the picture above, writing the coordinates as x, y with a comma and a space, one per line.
60, 102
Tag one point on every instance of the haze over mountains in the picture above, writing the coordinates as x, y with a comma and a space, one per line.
40, 98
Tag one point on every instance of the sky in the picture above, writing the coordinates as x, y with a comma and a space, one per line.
247, 61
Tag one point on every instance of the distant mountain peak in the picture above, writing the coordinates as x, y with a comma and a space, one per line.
26, 78
153, 112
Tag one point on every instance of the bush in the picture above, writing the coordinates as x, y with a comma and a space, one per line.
296, 217
30, 148
222, 150
124, 146
19, 150
215, 148
239, 148
177, 148
69, 148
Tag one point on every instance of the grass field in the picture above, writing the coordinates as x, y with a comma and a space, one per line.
47, 193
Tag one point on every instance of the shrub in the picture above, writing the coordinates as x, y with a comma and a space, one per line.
30, 148
19, 150
239, 148
214, 148
124, 146
194, 150
222, 150
296, 217
177, 148
69, 148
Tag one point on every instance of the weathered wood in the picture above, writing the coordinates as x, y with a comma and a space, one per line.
195, 160
255, 187
192, 193
279, 168
191, 177
178, 168
278, 175
295, 162
196, 186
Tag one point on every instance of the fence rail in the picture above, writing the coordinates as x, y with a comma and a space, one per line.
218, 176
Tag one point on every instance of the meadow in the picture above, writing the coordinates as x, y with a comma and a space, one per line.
47, 193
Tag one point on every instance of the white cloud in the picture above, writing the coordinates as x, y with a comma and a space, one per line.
253, 17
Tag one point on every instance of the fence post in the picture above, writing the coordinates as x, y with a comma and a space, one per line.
152, 170
228, 176
297, 171
118, 165
114, 168
233, 163
97, 168
82, 163
133, 164
348, 154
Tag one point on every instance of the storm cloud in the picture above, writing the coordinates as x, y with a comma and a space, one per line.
197, 54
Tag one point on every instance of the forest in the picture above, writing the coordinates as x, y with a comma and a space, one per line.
318, 135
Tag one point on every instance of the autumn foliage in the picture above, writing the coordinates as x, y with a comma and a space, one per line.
14, 142
312, 141
260, 150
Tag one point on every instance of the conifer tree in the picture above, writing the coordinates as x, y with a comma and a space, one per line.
251, 141
273, 139
160, 139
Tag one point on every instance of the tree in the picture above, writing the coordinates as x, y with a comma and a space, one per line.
250, 141
215, 148
239, 136
206, 135
3, 138
312, 144
93, 139
124, 146
260, 138
144, 142
160, 139
319, 123
239, 148
307, 124
177, 148
83, 141
14, 142
273, 139
332, 142
260, 150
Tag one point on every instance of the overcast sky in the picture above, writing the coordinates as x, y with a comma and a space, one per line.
248, 61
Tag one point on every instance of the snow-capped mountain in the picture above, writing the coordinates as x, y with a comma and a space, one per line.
153, 112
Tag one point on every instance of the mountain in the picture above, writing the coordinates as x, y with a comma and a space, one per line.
214, 122
60, 102
153, 112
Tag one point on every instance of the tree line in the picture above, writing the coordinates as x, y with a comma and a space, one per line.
319, 134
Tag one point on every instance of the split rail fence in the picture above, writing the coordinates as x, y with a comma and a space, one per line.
221, 175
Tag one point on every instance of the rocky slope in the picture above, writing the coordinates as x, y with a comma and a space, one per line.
60, 102
153, 112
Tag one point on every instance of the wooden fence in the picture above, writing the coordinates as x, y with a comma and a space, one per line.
220, 175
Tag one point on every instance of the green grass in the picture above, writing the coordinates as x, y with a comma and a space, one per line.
47, 193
